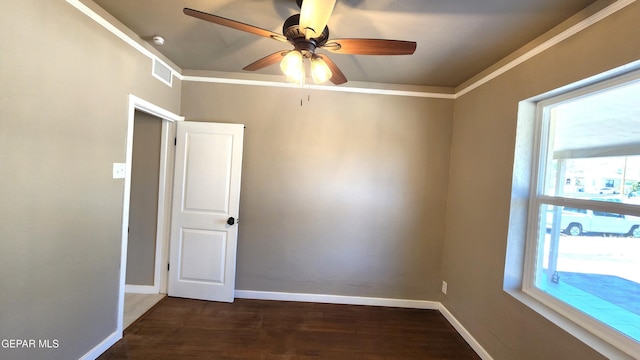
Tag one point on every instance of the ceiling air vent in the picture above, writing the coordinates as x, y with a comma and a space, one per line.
162, 72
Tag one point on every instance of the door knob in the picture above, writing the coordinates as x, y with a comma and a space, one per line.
231, 221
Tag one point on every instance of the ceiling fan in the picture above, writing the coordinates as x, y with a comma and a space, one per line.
308, 32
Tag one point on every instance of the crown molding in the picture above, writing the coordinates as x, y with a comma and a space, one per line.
354, 87
111, 24
575, 24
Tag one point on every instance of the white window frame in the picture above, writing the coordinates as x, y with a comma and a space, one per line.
537, 198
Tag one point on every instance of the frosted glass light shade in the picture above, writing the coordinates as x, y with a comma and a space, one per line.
291, 64
320, 71
314, 16
297, 78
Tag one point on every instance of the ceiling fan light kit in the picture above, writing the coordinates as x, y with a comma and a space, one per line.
302, 31
293, 66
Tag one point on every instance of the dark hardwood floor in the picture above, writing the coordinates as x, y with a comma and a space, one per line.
255, 329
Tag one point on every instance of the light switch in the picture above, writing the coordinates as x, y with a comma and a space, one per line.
119, 170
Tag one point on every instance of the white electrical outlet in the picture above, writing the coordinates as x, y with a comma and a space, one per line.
444, 287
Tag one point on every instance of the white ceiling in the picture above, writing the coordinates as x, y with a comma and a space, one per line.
456, 39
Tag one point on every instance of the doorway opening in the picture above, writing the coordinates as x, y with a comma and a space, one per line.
141, 271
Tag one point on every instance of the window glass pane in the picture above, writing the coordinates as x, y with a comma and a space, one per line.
589, 260
615, 178
594, 144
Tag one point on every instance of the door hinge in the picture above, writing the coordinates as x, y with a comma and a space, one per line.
175, 141
168, 267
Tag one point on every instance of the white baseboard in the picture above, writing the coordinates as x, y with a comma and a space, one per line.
141, 289
103, 346
466, 335
337, 299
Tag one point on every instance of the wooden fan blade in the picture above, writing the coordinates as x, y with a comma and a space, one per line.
233, 24
266, 61
337, 76
314, 16
370, 47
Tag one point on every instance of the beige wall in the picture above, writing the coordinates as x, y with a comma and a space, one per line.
64, 82
344, 195
480, 189
143, 208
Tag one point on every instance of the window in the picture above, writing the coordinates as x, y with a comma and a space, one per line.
582, 254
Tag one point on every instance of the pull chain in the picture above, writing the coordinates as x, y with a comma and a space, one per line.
302, 97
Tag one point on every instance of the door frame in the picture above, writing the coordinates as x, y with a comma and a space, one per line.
164, 198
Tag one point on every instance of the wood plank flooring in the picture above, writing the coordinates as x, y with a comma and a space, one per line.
255, 329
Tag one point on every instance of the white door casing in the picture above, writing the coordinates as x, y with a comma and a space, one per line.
169, 118
206, 199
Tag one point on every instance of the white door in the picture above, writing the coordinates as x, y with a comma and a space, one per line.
206, 195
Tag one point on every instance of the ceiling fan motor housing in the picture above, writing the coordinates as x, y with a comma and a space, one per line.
291, 31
